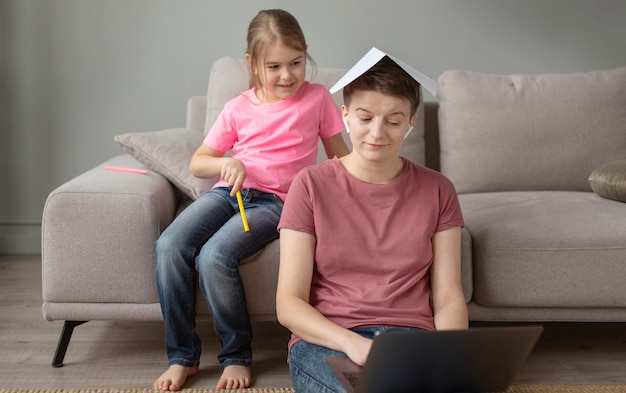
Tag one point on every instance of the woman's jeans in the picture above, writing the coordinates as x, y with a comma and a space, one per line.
307, 364
206, 242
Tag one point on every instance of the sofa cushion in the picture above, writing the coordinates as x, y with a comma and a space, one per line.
609, 180
529, 132
546, 249
229, 77
168, 153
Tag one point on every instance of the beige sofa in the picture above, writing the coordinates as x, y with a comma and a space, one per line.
539, 243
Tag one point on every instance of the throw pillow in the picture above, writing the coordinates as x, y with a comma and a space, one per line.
609, 180
168, 153
529, 132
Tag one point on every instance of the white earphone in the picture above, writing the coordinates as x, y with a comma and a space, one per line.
408, 132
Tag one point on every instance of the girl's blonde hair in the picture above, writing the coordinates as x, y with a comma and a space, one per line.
267, 28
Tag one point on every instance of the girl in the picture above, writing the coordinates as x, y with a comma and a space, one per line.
272, 130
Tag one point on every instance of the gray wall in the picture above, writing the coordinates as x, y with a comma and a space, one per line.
74, 73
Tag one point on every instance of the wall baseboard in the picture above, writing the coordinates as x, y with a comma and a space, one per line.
20, 238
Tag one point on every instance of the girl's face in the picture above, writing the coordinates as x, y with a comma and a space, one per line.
378, 124
282, 73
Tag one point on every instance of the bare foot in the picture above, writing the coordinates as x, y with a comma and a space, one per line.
235, 377
174, 378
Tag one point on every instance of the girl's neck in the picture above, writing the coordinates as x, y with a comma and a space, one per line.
263, 97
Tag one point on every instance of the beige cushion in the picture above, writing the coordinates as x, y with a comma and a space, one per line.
530, 132
229, 77
168, 152
609, 180
546, 249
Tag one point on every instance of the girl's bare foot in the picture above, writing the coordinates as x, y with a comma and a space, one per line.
235, 377
174, 378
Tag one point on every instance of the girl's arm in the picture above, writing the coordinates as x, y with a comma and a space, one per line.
297, 250
207, 163
335, 146
449, 304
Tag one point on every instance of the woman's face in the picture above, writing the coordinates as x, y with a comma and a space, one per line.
378, 123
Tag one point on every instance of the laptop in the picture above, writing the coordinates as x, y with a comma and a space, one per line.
481, 359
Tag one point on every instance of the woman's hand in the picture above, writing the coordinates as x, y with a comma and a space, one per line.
358, 348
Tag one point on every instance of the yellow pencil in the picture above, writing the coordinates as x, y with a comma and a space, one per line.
246, 228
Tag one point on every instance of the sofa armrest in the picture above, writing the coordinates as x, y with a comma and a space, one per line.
98, 234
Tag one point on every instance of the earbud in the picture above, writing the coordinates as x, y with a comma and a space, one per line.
408, 132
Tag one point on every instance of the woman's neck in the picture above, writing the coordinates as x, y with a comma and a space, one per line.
373, 172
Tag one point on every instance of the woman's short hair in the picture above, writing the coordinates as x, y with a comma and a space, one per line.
389, 78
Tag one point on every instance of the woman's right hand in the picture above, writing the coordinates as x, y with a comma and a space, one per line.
358, 348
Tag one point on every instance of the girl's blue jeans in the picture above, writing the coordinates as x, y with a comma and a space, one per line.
205, 245
307, 364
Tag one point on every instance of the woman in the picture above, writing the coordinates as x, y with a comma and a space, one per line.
369, 242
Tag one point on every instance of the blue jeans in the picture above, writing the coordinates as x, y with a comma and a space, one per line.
307, 364
206, 242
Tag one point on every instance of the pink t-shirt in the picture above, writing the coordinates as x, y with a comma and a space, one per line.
373, 251
275, 141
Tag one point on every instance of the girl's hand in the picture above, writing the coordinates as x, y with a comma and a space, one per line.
233, 172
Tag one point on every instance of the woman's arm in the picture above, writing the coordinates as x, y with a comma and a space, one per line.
449, 304
297, 250
207, 163
335, 146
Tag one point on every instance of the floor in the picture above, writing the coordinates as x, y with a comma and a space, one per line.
127, 355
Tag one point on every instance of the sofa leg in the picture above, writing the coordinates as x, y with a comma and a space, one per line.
64, 341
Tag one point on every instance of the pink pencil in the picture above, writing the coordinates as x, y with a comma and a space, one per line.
124, 169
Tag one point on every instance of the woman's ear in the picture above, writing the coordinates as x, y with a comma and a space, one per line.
344, 117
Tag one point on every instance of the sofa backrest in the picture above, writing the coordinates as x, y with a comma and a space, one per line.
530, 132
229, 77
489, 132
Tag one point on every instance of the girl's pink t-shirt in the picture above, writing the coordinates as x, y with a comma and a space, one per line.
275, 141
373, 241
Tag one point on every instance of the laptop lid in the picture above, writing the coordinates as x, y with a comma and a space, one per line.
482, 359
